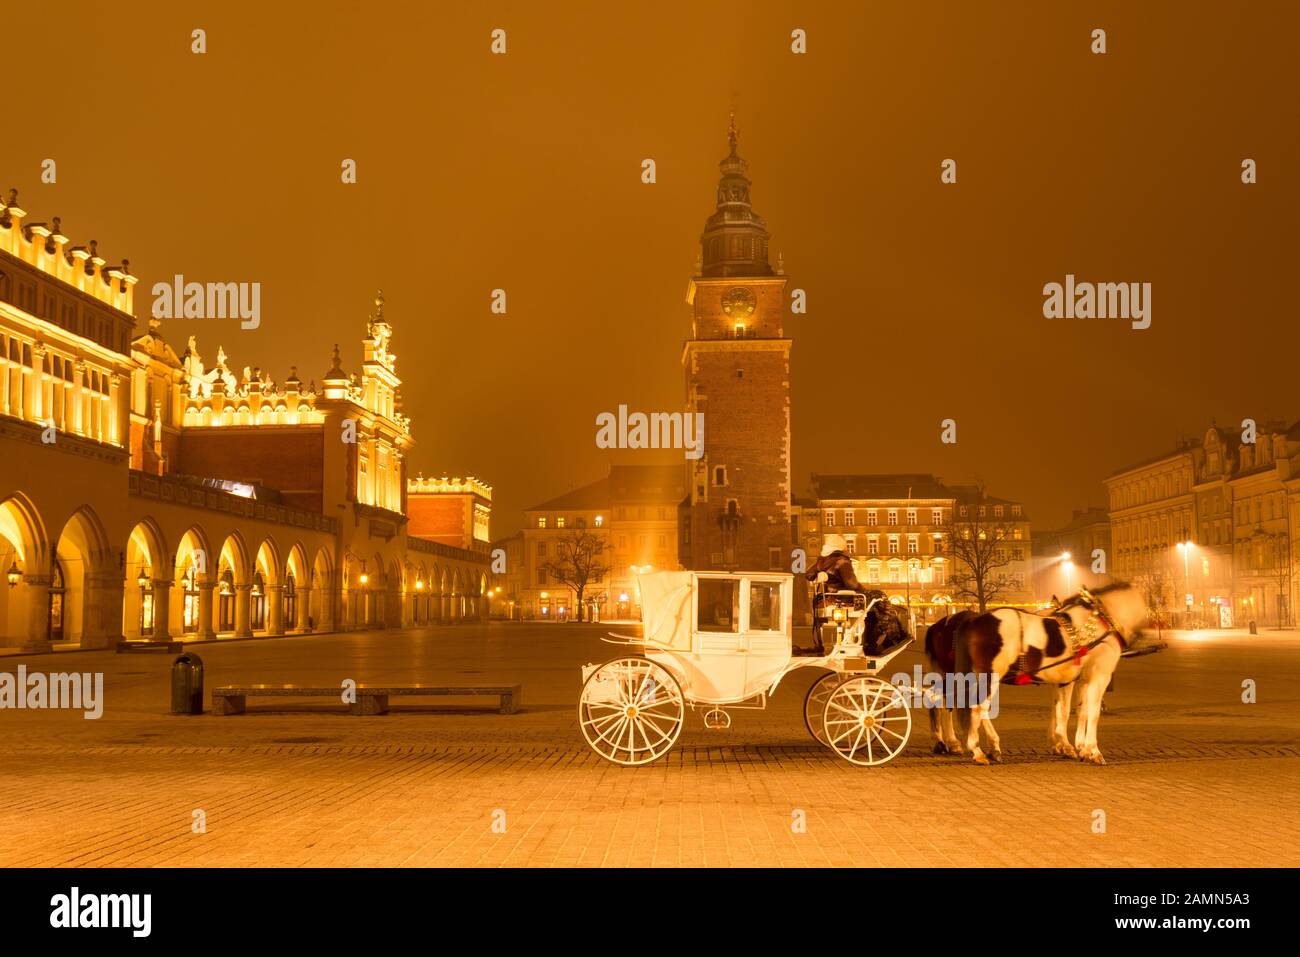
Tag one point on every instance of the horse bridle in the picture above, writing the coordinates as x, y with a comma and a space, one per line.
1094, 602
1098, 610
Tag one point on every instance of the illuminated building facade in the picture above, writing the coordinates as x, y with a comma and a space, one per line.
150, 495
633, 511
898, 529
1211, 527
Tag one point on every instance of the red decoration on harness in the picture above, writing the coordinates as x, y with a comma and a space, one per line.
1023, 679
1078, 659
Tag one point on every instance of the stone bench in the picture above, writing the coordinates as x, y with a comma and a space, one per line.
127, 647
370, 699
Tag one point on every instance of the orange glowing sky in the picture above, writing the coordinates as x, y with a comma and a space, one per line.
522, 172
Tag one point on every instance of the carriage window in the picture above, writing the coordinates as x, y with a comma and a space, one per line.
765, 607
719, 605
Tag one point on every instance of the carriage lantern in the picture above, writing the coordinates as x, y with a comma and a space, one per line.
15, 574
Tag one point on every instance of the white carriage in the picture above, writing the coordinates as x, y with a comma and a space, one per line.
717, 641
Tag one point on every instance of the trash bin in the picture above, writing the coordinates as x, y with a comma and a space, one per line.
187, 684
1253, 629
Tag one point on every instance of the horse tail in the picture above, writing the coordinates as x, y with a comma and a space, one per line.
931, 634
961, 666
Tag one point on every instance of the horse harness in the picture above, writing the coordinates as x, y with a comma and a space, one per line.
1082, 640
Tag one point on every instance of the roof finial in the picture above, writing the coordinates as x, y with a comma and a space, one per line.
732, 133
379, 305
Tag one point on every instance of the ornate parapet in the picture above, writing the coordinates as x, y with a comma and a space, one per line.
43, 246
178, 492
217, 396
446, 485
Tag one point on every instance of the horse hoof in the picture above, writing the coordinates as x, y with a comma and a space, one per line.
954, 748
981, 759
1065, 751
939, 748
1096, 758
996, 757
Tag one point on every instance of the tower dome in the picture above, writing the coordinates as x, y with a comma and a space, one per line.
734, 241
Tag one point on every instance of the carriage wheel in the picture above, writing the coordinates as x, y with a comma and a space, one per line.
631, 711
814, 705
867, 720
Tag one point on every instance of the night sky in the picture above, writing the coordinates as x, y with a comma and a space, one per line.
523, 172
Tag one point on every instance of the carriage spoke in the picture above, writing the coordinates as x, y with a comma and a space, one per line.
858, 715
631, 711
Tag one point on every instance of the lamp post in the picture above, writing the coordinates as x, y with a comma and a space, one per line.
1067, 569
143, 581
1185, 546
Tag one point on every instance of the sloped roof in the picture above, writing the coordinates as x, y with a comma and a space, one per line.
890, 485
638, 484
592, 495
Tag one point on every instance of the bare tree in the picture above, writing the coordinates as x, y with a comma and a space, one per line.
981, 544
578, 565
1271, 556
1152, 577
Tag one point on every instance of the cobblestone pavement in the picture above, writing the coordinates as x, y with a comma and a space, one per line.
1195, 777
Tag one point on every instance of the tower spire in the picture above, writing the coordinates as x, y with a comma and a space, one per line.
734, 242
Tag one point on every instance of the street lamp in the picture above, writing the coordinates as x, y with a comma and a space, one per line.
1185, 547
146, 612
1067, 567
15, 574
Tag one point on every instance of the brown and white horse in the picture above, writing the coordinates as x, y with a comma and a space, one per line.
1078, 643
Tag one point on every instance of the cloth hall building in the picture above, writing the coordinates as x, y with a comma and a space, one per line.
146, 494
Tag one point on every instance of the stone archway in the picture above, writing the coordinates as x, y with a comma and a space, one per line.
83, 590
265, 597
234, 588
146, 580
295, 595
321, 599
196, 577
24, 556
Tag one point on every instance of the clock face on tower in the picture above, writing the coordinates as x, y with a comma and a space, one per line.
739, 302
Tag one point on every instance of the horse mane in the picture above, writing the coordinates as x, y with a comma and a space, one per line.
1077, 598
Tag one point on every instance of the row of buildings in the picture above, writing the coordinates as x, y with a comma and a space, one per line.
146, 494
899, 528
1210, 527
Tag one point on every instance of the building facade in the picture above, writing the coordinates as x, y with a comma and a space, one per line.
1209, 528
899, 529
632, 512
146, 495
736, 513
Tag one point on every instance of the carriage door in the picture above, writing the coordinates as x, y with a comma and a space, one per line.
719, 643
766, 638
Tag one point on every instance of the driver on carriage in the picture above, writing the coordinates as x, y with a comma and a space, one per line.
833, 569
